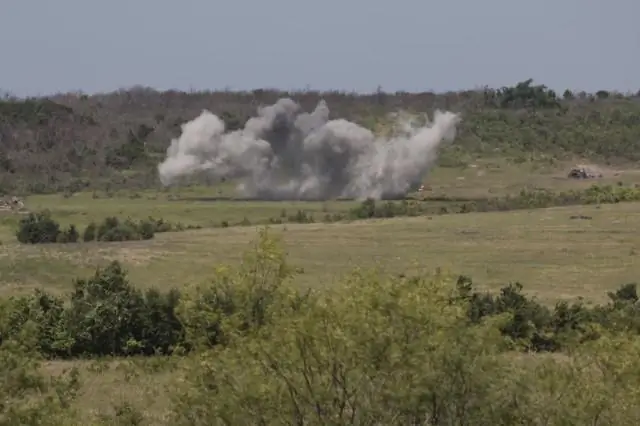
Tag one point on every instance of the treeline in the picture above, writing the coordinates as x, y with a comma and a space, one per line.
106, 315
375, 349
72, 142
525, 199
40, 228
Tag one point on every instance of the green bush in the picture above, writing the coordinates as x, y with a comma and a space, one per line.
371, 351
526, 199
237, 301
29, 396
376, 349
115, 229
90, 232
38, 228
522, 95
161, 225
408, 350
70, 235
301, 217
112, 229
107, 316
104, 315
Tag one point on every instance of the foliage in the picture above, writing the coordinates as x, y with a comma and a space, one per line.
526, 199
116, 138
232, 122
108, 316
113, 229
522, 95
132, 151
161, 225
90, 232
408, 350
376, 349
32, 110
104, 315
428, 206
237, 301
38, 228
71, 235
27, 396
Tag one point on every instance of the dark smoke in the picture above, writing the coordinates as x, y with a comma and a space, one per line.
286, 154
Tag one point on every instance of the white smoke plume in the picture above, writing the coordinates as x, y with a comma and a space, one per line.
286, 154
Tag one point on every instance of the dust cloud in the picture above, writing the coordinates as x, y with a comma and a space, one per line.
284, 153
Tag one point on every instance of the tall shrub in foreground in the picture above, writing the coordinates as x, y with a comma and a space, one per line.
27, 395
108, 316
378, 349
238, 301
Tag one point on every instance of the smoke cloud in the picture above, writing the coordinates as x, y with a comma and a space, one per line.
286, 154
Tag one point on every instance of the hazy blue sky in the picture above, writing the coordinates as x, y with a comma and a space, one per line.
62, 45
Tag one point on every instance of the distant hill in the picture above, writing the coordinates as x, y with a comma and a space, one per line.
71, 142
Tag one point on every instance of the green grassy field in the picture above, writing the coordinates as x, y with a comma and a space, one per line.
550, 253
515, 139
197, 206
553, 254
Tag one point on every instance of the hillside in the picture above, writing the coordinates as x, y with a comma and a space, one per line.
68, 142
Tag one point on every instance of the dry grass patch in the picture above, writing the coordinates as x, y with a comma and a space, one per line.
109, 385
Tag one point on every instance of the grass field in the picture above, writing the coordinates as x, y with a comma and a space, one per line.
197, 206
513, 139
553, 255
556, 257
551, 252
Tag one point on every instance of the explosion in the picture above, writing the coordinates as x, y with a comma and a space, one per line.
284, 153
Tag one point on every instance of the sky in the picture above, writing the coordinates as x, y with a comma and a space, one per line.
354, 45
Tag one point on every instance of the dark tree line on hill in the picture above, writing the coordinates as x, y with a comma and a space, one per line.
69, 142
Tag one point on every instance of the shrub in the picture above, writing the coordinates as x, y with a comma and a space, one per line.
408, 350
376, 349
29, 396
112, 229
108, 316
70, 235
41, 311
146, 230
384, 350
237, 300
526, 199
104, 315
161, 225
301, 217
90, 232
370, 348
38, 228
